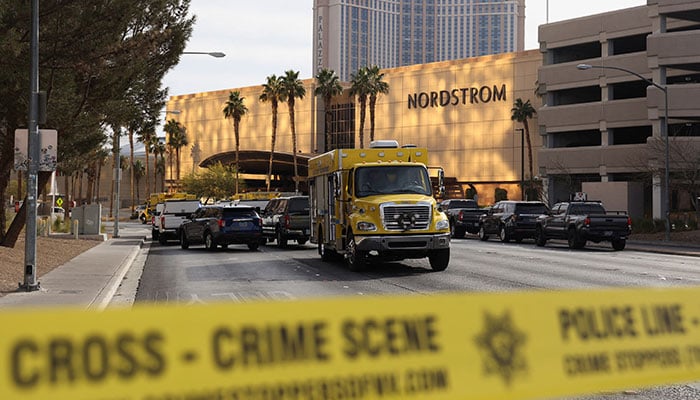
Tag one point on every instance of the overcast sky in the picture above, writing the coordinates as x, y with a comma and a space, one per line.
266, 37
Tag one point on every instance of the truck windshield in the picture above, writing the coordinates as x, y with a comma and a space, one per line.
371, 181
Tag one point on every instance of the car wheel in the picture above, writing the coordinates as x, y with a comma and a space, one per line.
355, 259
503, 234
209, 243
253, 246
573, 239
540, 239
162, 240
184, 243
619, 244
439, 259
154, 234
143, 219
482, 234
281, 240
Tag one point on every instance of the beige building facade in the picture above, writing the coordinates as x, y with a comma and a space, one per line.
605, 124
460, 110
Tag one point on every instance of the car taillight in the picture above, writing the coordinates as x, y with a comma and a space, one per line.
162, 220
629, 222
287, 222
461, 214
221, 223
587, 221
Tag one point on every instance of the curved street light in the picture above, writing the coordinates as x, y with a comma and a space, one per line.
666, 192
216, 54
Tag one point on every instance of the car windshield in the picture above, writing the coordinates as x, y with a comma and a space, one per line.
535, 208
391, 180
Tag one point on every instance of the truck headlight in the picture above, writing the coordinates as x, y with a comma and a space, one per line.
442, 224
366, 226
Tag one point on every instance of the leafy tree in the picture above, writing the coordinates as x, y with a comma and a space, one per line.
292, 88
216, 182
376, 87
272, 93
360, 86
328, 86
235, 110
93, 58
521, 112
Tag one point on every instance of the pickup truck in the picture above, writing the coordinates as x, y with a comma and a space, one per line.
287, 218
581, 221
463, 215
173, 214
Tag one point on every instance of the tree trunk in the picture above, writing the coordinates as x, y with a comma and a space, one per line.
272, 146
131, 167
236, 124
18, 223
363, 105
529, 147
326, 122
372, 103
294, 144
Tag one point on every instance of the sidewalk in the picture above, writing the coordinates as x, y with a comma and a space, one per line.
92, 278
89, 280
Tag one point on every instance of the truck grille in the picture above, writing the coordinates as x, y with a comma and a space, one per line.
398, 217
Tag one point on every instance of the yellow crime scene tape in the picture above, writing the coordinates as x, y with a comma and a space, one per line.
445, 346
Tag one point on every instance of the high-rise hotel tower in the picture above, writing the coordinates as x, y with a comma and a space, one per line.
349, 34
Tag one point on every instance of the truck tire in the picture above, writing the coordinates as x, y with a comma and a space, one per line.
482, 234
253, 246
162, 240
209, 243
573, 239
540, 238
281, 240
619, 244
458, 232
356, 260
503, 234
439, 259
184, 243
154, 234
301, 242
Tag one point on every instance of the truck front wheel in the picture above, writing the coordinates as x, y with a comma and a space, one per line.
540, 238
439, 259
355, 259
574, 239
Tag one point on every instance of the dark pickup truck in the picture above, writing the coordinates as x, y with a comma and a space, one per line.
579, 222
463, 215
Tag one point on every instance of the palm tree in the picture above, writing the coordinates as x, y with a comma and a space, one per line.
376, 87
360, 87
272, 92
292, 88
521, 112
159, 164
235, 109
177, 141
148, 137
328, 87
171, 128
138, 170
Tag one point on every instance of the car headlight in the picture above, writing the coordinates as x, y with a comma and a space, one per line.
442, 224
366, 226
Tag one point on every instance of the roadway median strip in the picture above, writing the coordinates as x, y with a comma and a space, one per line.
447, 346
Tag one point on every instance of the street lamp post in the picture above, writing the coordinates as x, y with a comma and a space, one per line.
664, 133
216, 54
522, 162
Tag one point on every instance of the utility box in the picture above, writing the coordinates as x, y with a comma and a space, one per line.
89, 219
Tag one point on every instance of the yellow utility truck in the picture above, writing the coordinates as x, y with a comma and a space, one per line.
377, 204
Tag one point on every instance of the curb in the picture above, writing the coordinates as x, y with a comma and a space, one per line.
103, 298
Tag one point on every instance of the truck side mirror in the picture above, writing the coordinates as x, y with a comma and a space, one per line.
441, 182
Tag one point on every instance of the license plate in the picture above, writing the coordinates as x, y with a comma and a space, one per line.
242, 224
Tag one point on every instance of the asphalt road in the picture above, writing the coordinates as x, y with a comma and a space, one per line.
236, 274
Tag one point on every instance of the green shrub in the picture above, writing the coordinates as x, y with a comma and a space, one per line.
648, 225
